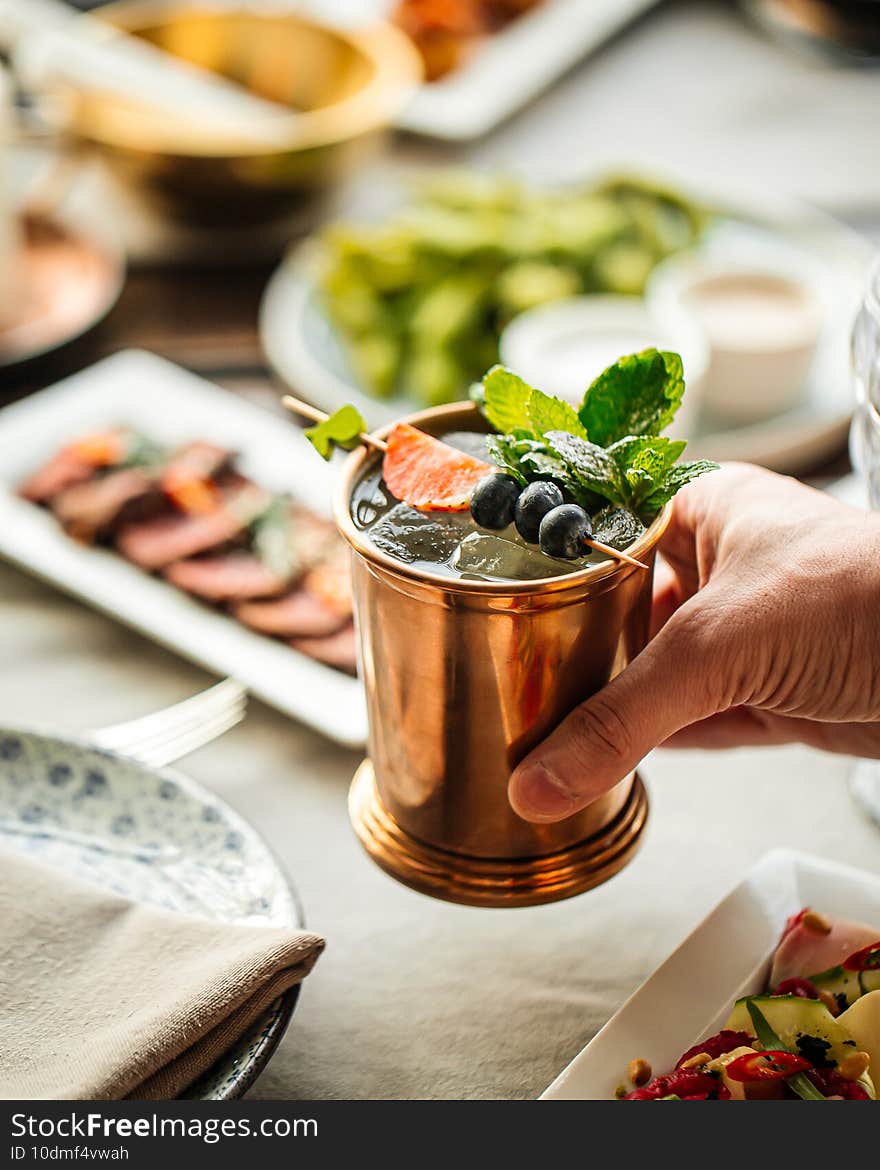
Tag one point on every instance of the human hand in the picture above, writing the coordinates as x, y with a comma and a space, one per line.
766, 630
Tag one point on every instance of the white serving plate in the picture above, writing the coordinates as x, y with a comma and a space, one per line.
301, 344
515, 65
690, 995
171, 405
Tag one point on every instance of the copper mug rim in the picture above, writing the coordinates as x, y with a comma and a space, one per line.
360, 542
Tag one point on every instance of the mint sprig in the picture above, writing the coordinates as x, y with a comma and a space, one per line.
610, 450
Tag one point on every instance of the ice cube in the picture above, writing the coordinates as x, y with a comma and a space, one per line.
617, 527
370, 500
409, 536
487, 556
471, 442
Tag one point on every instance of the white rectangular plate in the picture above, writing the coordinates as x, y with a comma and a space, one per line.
690, 995
172, 406
514, 65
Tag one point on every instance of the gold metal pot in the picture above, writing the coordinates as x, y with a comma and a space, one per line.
463, 678
343, 88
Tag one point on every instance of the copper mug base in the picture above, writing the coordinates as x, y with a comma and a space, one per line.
479, 881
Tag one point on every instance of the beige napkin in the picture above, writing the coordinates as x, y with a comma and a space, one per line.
104, 998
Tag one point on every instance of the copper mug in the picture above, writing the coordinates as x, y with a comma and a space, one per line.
462, 679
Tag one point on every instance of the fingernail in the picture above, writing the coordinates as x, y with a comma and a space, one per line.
537, 793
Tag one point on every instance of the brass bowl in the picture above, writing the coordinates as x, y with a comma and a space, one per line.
343, 88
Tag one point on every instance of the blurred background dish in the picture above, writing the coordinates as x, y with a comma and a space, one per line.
762, 326
845, 26
157, 399
408, 311
342, 88
9, 235
568, 343
486, 59
67, 279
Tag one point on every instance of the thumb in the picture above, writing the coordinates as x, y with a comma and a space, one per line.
674, 681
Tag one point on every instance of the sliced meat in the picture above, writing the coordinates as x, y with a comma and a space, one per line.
805, 951
339, 649
62, 471
234, 576
90, 511
199, 460
192, 478
296, 615
158, 543
78, 462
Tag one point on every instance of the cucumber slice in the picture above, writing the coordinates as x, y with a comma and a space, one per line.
862, 1020
792, 1018
843, 985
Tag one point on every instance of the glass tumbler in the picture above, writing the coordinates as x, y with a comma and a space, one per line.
864, 444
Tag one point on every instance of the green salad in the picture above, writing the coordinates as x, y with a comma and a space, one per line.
421, 298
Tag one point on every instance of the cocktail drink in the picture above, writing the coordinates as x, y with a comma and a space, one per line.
485, 613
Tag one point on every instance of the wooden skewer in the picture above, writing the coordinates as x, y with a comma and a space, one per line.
318, 416
613, 552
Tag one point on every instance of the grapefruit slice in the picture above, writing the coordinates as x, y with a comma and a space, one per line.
429, 475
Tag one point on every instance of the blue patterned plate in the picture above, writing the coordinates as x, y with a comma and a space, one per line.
153, 836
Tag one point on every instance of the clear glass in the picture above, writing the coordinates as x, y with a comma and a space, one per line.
864, 445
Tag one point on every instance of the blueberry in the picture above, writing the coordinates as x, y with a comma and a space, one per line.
534, 503
564, 532
493, 501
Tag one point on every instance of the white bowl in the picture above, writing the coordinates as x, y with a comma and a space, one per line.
762, 323
561, 347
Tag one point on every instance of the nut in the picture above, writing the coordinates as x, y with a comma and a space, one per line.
697, 1061
830, 1002
816, 922
854, 1065
639, 1072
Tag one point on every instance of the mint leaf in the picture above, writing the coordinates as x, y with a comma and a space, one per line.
552, 414
514, 407
677, 478
638, 395
590, 465
652, 453
506, 400
503, 452
342, 429
644, 461
543, 465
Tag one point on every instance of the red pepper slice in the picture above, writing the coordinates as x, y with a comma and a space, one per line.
867, 959
802, 988
766, 1066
